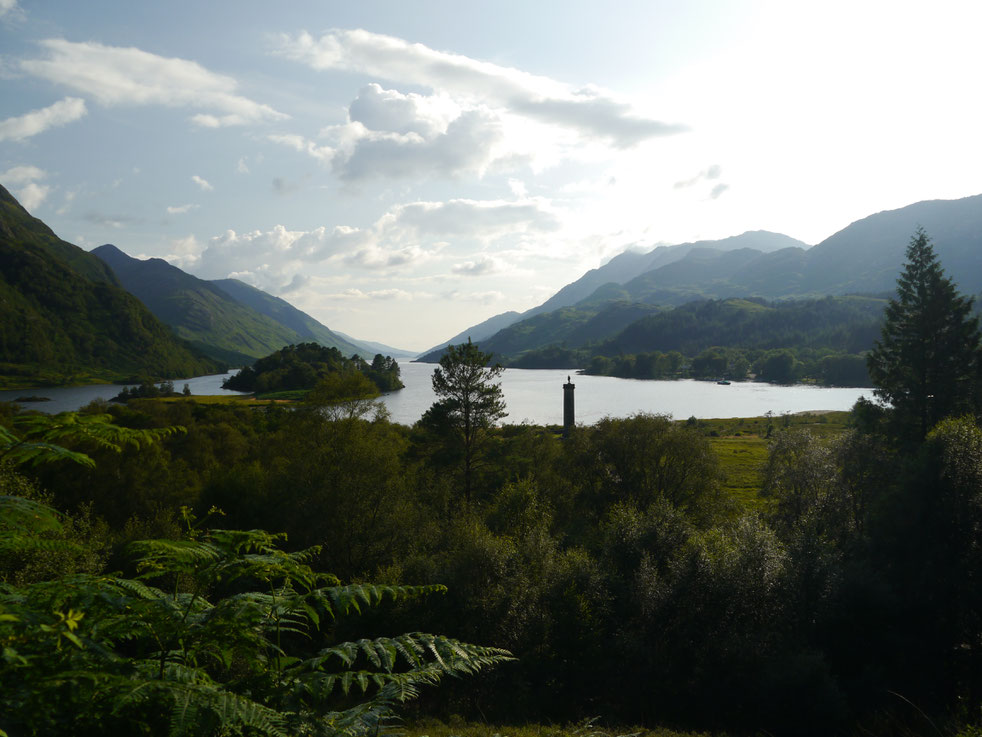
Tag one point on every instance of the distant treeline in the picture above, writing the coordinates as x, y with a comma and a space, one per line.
822, 340
303, 366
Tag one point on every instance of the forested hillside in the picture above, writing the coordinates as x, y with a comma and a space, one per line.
863, 258
823, 340
227, 320
64, 320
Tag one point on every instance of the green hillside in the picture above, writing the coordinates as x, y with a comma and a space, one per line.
848, 324
569, 326
20, 227
281, 311
198, 310
819, 339
60, 326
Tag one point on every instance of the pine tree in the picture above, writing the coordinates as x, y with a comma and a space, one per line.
927, 361
470, 399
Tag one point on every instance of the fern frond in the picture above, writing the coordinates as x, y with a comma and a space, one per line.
24, 514
157, 557
98, 430
36, 453
342, 599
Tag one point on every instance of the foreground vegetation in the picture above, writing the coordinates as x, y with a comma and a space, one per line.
792, 575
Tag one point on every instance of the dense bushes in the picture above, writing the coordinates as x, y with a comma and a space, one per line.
303, 366
611, 564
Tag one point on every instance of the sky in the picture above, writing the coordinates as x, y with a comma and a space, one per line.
403, 170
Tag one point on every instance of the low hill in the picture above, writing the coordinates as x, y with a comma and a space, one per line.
63, 318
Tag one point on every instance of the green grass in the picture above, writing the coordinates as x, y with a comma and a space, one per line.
245, 400
741, 460
741, 445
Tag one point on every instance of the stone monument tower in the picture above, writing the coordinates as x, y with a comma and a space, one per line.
569, 417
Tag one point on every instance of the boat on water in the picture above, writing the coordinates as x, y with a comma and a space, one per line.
723, 382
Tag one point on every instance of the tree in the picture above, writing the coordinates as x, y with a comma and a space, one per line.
927, 360
470, 400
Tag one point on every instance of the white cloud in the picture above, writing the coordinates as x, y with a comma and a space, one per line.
466, 146
203, 183
272, 257
28, 191
379, 109
484, 298
377, 294
482, 267
518, 188
32, 195
242, 167
37, 121
479, 219
404, 238
9, 8
301, 144
22, 174
180, 209
129, 76
589, 111
718, 190
710, 173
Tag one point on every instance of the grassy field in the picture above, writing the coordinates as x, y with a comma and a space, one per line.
741, 445
237, 399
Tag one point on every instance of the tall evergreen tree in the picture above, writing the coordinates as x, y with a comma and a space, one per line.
470, 399
927, 361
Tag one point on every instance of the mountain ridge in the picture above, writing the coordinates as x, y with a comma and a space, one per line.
225, 318
64, 318
865, 257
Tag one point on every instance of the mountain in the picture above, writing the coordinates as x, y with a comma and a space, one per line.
602, 284
18, 226
630, 264
226, 319
570, 327
863, 258
64, 318
868, 254
476, 333
377, 347
197, 310
289, 316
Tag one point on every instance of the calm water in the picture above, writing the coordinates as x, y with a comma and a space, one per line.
537, 396
70, 398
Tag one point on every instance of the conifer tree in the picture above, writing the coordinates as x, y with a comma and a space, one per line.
927, 361
470, 399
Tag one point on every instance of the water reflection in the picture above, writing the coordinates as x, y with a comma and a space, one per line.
536, 396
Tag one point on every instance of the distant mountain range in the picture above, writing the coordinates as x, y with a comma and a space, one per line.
864, 258
64, 317
226, 318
